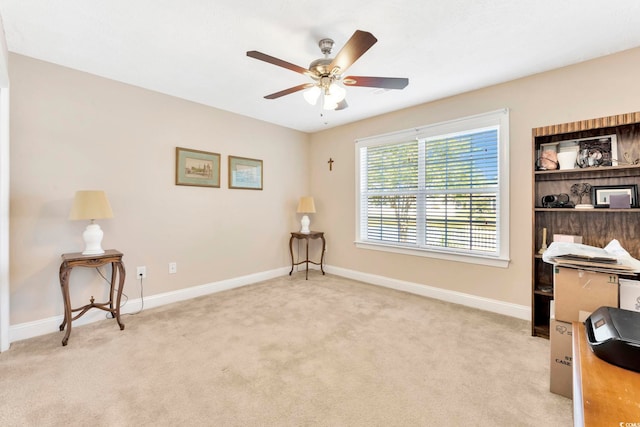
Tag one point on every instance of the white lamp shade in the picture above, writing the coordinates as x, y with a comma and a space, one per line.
337, 92
333, 96
312, 95
329, 104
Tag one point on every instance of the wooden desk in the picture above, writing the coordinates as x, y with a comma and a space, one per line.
69, 261
307, 236
603, 394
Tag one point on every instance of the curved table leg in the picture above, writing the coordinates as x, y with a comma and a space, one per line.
291, 252
121, 275
65, 271
306, 274
324, 244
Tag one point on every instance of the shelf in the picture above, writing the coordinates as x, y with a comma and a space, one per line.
601, 210
597, 172
541, 331
543, 293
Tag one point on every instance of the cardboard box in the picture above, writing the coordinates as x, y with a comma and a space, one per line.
561, 363
576, 290
567, 238
630, 294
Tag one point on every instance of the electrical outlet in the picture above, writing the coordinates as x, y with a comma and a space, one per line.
141, 272
173, 268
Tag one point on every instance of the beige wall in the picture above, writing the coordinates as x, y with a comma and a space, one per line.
71, 130
602, 87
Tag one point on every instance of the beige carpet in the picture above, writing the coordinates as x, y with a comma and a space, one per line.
287, 352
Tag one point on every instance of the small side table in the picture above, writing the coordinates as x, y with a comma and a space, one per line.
307, 236
92, 261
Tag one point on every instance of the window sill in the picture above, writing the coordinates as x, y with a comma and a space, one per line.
469, 259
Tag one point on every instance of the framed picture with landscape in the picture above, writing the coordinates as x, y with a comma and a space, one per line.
197, 168
245, 173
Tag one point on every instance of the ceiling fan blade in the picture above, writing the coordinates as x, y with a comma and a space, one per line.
275, 61
342, 105
382, 82
289, 91
358, 44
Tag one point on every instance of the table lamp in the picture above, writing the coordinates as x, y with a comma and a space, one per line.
91, 205
305, 206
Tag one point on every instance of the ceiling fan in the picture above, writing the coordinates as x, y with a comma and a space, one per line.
327, 72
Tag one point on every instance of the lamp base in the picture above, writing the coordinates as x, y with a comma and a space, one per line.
304, 222
93, 240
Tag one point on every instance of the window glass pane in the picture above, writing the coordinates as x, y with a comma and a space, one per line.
392, 167
461, 221
392, 218
462, 161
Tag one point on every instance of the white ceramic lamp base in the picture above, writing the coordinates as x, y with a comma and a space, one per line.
304, 222
93, 240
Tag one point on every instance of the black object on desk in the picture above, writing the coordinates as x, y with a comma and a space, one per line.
614, 336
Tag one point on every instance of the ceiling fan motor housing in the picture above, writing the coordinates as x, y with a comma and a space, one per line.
320, 67
325, 46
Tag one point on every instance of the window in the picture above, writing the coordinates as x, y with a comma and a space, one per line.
440, 190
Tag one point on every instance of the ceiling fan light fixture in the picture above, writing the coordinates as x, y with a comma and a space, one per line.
312, 95
327, 72
333, 95
337, 92
329, 103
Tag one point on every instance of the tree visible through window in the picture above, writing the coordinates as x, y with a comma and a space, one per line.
436, 191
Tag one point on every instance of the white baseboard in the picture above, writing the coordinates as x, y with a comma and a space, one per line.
513, 310
36, 328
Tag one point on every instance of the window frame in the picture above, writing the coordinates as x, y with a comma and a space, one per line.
498, 118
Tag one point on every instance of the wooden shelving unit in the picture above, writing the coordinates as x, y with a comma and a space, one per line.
596, 226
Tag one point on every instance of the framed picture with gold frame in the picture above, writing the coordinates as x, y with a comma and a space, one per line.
197, 168
245, 173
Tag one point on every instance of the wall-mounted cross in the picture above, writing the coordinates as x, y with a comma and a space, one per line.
330, 163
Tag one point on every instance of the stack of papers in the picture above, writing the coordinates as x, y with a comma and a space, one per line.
612, 259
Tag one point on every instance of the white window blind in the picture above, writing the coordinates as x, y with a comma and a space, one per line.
437, 192
391, 192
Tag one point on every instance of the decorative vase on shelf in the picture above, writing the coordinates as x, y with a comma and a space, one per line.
567, 159
548, 159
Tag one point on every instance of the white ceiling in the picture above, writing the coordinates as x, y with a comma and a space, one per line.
196, 49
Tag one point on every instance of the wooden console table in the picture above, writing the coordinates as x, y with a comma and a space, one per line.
603, 394
69, 261
307, 236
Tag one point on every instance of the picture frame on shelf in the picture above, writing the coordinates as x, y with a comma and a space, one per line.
197, 168
601, 195
597, 151
245, 173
